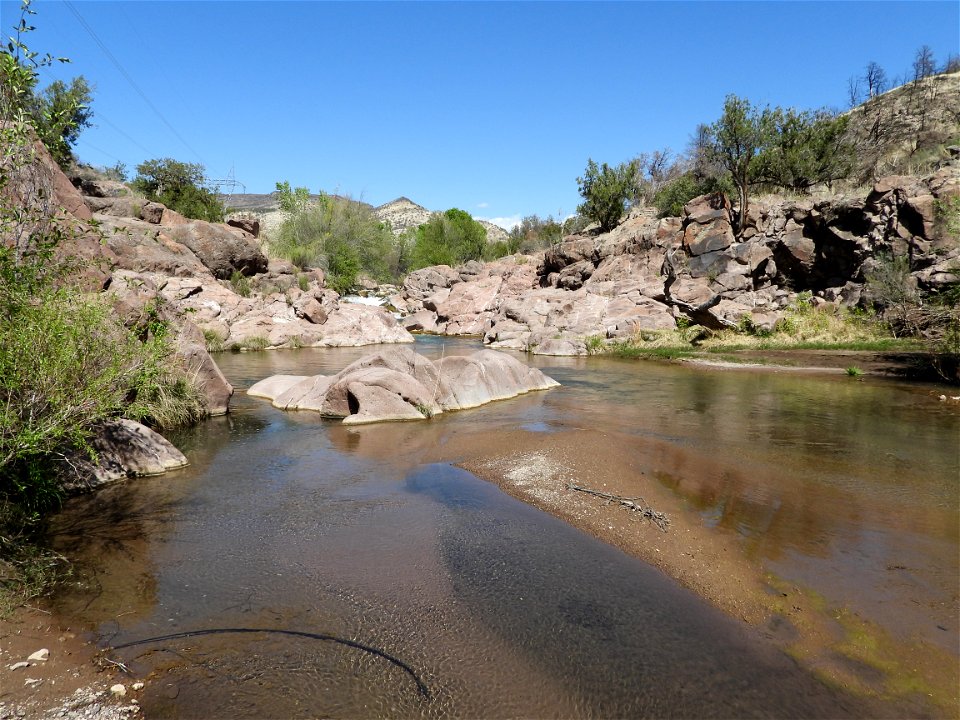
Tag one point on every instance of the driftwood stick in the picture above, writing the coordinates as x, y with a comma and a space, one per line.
637, 504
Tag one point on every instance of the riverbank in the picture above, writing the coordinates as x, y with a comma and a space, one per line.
73, 681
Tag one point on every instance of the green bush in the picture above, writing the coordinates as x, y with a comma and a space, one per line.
674, 194
181, 187
534, 233
605, 191
449, 238
340, 235
66, 365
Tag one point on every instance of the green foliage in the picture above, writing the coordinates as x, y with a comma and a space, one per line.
67, 363
674, 194
449, 238
736, 140
58, 113
181, 187
535, 233
804, 149
240, 283
948, 213
605, 192
254, 342
213, 340
340, 235
854, 371
303, 282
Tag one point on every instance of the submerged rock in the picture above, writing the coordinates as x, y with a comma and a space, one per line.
399, 384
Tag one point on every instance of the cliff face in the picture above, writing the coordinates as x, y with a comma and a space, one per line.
647, 273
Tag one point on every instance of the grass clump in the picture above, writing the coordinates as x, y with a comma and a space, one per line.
254, 343
801, 327
213, 340
240, 283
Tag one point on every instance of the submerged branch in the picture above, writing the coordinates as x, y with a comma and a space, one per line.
421, 686
637, 504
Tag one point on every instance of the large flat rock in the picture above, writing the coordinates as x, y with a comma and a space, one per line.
399, 384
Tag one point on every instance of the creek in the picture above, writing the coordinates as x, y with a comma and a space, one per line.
373, 535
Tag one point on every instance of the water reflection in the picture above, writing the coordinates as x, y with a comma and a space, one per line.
286, 519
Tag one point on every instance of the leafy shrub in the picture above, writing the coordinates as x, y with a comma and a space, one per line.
254, 342
338, 234
181, 187
66, 365
534, 233
448, 238
605, 191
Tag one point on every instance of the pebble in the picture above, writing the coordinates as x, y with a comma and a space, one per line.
118, 690
40, 655
32, 682
137, 686
18, 665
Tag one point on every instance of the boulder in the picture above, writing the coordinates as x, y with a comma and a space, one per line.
422, 321
123, 448
705, 209
143, 247
399, 384
247, 224
93, 188
221, 249
191, 350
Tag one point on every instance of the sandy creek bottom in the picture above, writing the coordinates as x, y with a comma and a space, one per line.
838, 491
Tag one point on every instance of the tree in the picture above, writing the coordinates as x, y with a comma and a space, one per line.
853, 91
449, 238
737, 138
804, 149
181, 187
605, 191
876, 79
62, 112
923, 64
58, 114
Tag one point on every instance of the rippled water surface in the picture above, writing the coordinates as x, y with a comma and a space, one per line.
483, 606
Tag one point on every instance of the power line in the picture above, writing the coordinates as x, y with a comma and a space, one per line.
96, 149
116, 63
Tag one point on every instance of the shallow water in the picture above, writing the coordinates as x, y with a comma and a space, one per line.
286, 521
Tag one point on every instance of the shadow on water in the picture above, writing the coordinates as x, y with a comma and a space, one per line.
627, 641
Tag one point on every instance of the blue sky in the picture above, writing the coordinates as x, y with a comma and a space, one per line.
490, 107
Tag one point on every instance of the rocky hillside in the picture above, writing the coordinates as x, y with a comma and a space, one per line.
213, 277
649, 273
909, 128
401, 213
